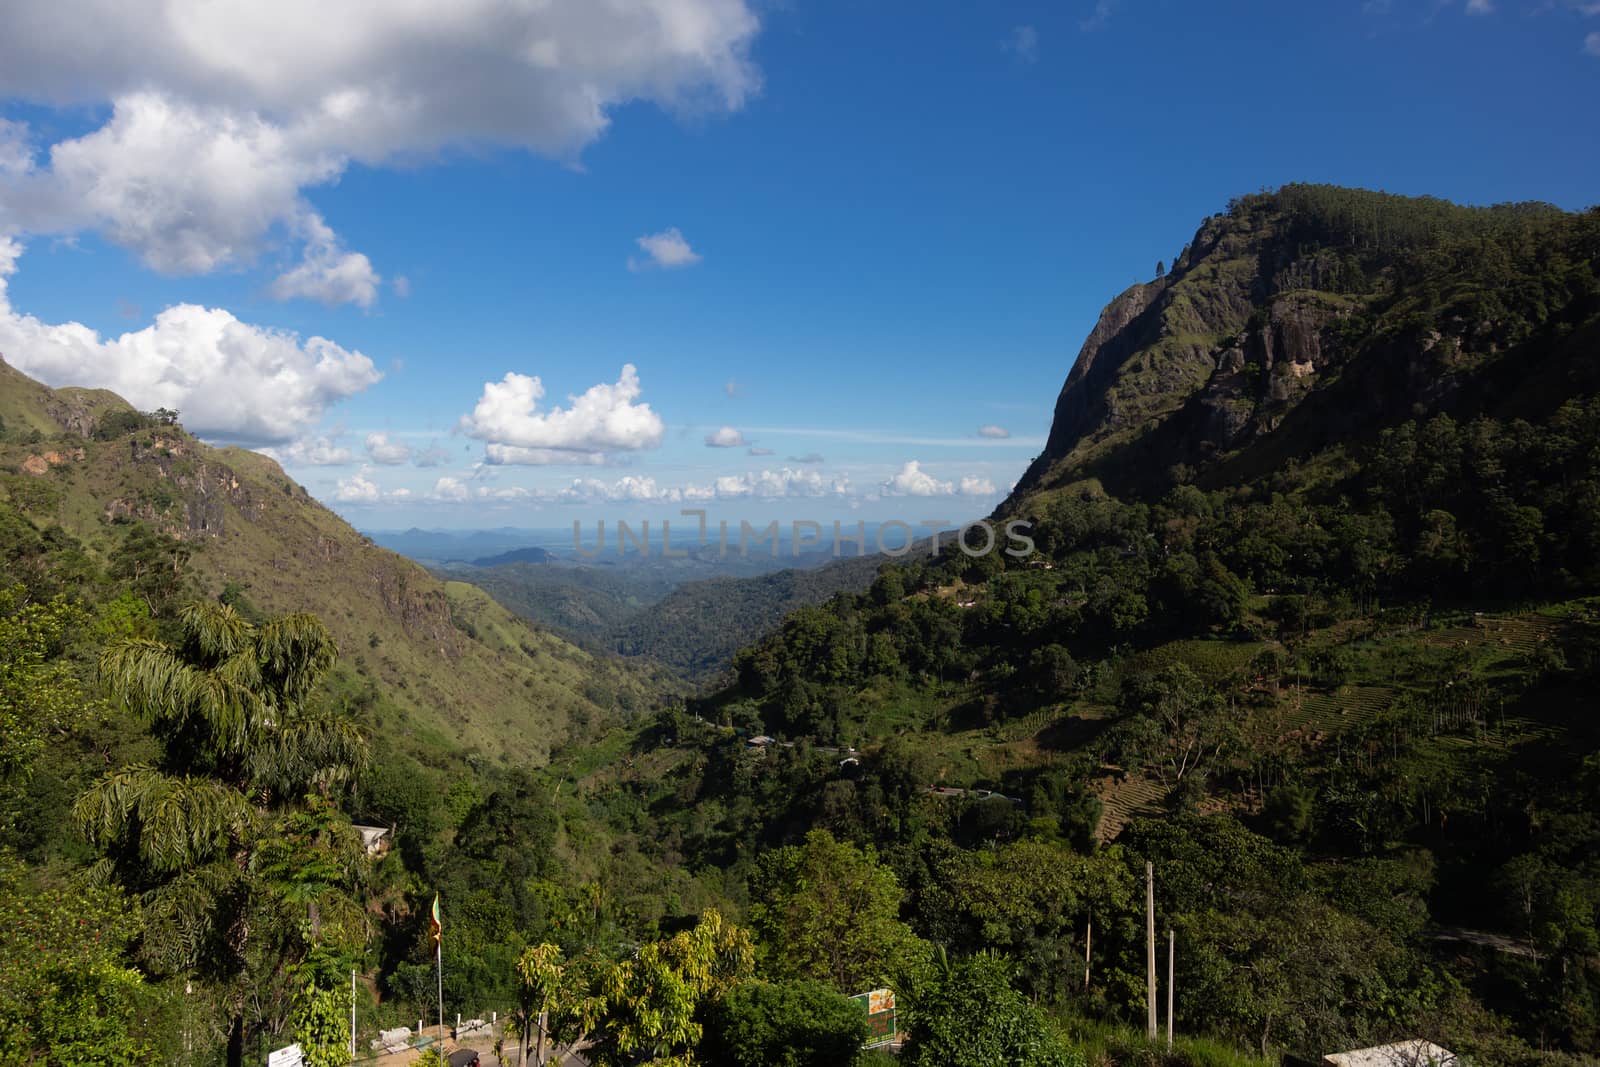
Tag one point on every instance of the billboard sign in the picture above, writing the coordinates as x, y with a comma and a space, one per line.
881, 1026
287, 1057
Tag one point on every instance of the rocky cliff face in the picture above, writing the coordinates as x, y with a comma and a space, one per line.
1155, 346
1303, 317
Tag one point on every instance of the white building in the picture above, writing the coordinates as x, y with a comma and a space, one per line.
1415, 1053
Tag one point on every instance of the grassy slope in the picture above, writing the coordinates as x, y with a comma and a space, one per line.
454, 667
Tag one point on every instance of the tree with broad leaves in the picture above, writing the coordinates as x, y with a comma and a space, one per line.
196, 830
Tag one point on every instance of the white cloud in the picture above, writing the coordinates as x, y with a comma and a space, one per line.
766, 484
974, 486
504, 493
754, 451
1103, 10
516, 456
315, 451
725, 437
1024, 44
809, 457
914, 481
380, 449
328, 273
604, 419
449, 489
229, 379
993, 432
775, 485
223, 114
628, 488
732, 388
1480, 7
667, 249
432, 456
1591, 44
357, 489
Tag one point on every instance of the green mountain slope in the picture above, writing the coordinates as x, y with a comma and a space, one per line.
652, 614
453, 668
697, 628
1313, 625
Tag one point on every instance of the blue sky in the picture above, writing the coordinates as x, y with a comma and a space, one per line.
839, 237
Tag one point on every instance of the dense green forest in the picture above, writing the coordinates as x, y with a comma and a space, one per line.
691, 627
1313, 627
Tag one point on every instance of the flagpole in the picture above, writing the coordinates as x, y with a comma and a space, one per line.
438, 951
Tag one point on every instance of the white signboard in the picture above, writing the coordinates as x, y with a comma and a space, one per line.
287, 1057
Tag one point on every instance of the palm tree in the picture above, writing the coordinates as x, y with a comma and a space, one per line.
240, 746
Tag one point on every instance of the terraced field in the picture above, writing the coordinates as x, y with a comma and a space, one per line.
1517, 635
1336, 711
1123, 800
1029, 725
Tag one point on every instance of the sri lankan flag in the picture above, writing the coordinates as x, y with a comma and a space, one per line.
435, 923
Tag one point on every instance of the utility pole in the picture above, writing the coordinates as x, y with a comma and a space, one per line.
1172, 944
352, 1015
1088, 939
1150, 946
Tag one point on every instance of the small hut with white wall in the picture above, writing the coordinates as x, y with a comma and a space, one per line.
1416, 1053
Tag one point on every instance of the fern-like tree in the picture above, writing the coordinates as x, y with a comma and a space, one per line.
200, 832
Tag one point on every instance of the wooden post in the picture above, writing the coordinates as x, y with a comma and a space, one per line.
1088, 940
1172, 944
1150, 947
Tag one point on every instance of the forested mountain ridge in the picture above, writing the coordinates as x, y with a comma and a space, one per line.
1332, 676
1315, 315
89, 478
692, 627
1312, 625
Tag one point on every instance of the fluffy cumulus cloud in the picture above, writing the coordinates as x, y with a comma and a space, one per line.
667, 249
603, 420
776, 485
725, 437
993, 432
626, 489
912, 480
766, 485
358, 489
221, 115
328, 273
450, 490
229, 379
390, 453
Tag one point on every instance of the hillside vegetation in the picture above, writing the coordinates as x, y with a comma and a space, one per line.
90, 477
651, 614
1313, 628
